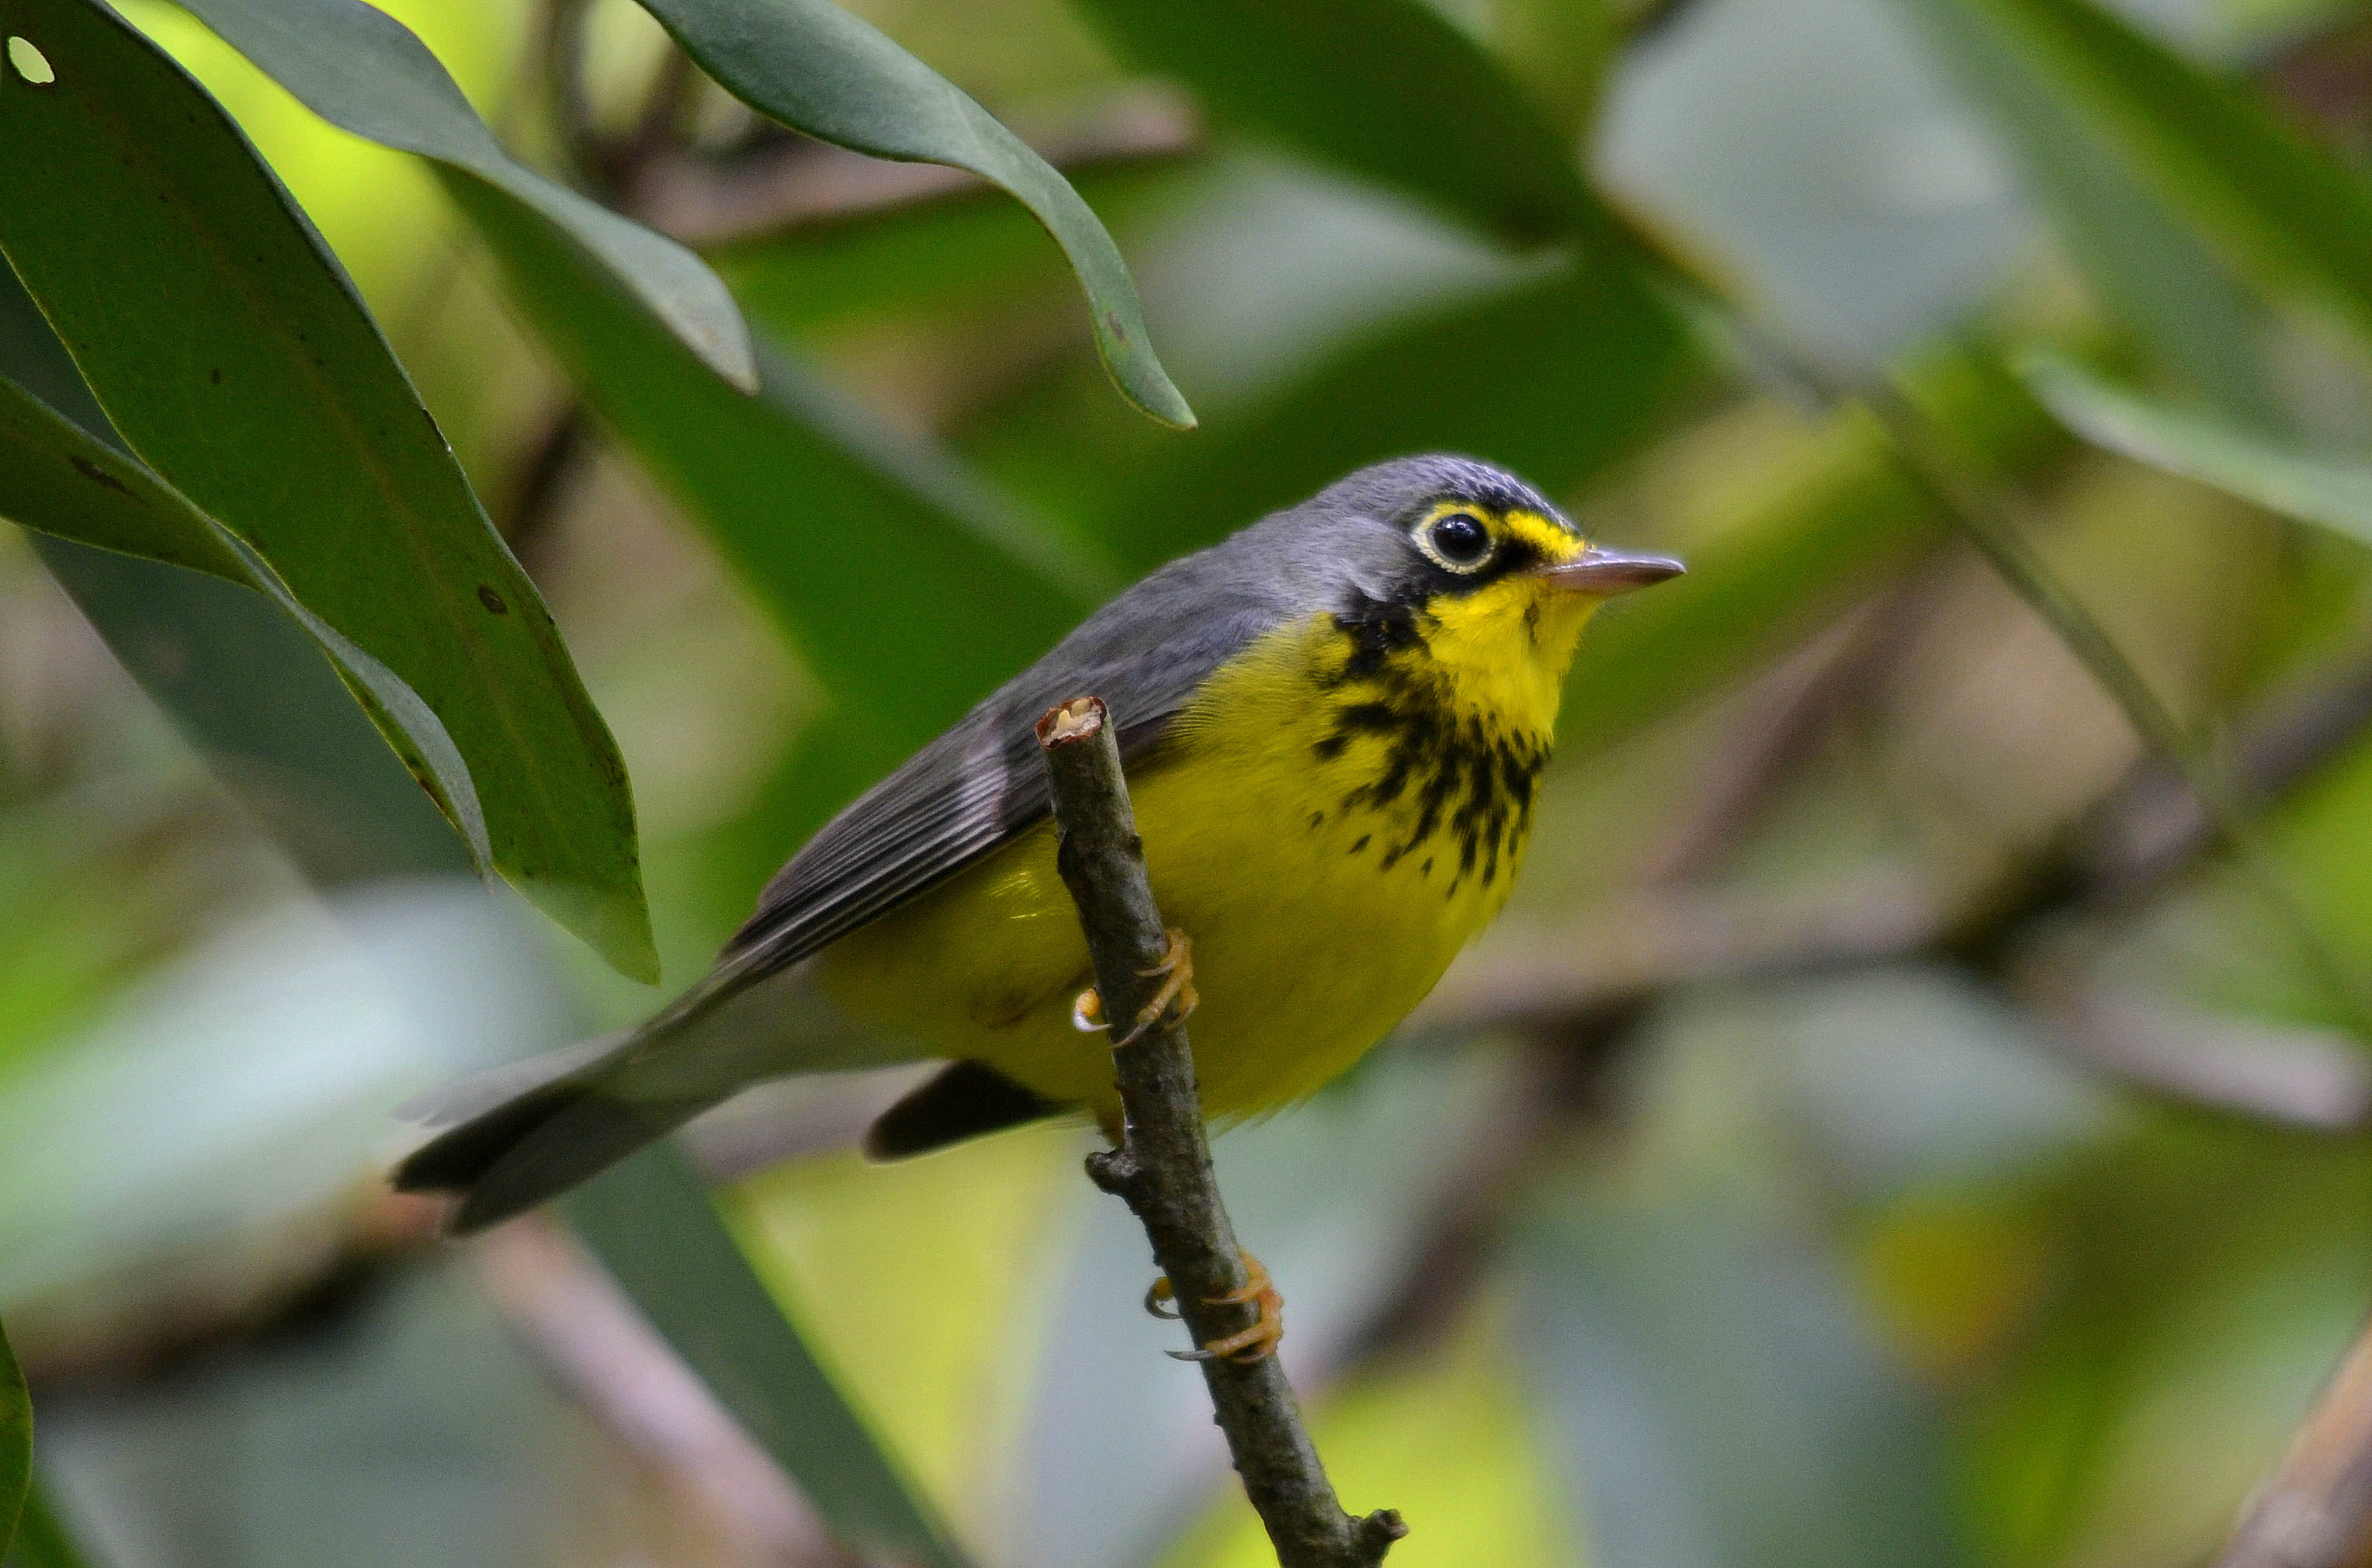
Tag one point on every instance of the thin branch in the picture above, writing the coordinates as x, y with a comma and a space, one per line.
1986, 515
2157, 828
784, 184
1783, 719
576, 1323
1162, 1169
1562, 1081
2317, 1510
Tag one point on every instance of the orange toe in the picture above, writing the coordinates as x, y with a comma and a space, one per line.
1249, 1345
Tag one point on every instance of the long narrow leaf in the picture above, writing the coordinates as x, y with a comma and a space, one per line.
112, 503
2281, 209
361, 69
909, 583
654, 1228
57, 478
966, 248
1962, 485
2148, 267
2327, 488
814, 67
240, 676
252, 380
1386, 89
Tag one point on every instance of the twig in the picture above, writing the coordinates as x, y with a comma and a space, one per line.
2316, 1512
2156, 828
784, 185
1784, 717
1162, 1169
1563, 1080
578, 1324
1986, 515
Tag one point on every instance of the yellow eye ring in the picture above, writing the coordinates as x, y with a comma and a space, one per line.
1457, 541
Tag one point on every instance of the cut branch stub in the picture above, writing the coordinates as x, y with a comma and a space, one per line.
1162, 1169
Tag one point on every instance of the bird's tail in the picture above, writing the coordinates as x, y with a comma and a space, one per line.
516, 1135
523, 1134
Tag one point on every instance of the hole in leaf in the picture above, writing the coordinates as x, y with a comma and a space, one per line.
30, 62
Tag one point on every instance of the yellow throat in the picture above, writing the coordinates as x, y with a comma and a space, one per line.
1337, 811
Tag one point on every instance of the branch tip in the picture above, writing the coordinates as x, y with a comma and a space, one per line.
1081, 718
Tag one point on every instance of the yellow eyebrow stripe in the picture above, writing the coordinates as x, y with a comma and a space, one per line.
1549, 539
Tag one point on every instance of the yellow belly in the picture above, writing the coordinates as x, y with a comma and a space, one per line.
1323, 904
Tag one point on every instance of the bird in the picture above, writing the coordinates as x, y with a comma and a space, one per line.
1334, 725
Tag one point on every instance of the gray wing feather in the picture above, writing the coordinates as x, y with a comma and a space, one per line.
980, 785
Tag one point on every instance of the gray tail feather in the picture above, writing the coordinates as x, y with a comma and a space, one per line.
520, 1134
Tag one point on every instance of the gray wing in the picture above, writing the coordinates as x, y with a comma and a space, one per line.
980, 785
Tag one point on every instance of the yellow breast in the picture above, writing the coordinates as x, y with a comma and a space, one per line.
1331, 818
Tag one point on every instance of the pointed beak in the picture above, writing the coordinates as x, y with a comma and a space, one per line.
1610, 572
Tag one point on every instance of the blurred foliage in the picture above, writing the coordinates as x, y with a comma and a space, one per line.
1890, 1125
16, 1445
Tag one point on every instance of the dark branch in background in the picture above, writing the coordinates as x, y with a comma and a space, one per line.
1561, 1081
1789, 715
1983, 509
781, 183
2158, 828
1162, 1168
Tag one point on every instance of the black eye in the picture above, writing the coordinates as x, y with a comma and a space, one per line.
1460, 538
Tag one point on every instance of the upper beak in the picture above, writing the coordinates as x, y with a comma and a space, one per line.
1610, 572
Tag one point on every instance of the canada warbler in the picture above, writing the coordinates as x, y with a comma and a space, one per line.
1332, 723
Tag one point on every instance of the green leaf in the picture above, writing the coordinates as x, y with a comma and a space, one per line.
2289, 214
361, 69
1556, 378
1385, 88
252, 380
2147, 268
913, 588
16, 1445
969, 248
816, 68
42, 1538
242, 680
57, 478
2332, 489
654, 1227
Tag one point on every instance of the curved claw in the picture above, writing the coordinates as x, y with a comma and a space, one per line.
1178, 990
1249, 1345
1156, 1293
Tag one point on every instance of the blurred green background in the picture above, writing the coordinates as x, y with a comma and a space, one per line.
1891, 1125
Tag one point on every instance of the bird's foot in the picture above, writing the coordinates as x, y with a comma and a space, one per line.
1178, 990
1243, 1348
1176, 967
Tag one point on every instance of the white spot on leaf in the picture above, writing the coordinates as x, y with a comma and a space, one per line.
30, 62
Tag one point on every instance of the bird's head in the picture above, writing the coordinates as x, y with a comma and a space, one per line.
1478, 569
